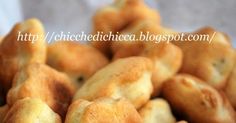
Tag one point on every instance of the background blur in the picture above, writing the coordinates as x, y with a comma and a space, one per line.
75, 15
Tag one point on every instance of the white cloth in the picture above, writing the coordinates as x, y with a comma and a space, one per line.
10, 13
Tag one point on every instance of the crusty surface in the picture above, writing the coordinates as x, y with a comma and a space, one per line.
102, 110
121, 13
41, 81
16, 54
31, 110
157, 111
210, 62
231, 86
167, 60
117, 16
166, 57
79, 61
197, 101
3, 111
128, 77
122, 49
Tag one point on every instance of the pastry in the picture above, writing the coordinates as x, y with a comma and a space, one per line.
166, 57
231, 86
142, 29
79, 61
31, 110
197, 101
40, 81
3, 111
18, 50
116, 17
129, 78
210, 61
102, 110
157, 111
167, 60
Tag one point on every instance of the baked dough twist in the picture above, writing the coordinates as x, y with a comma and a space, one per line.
41, 81
31, 110
16, 53
157, 111
102, 110
166, 57
197, 101
78, 61
211, 62
116, 17
129, 78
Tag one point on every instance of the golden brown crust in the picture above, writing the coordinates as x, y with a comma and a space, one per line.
16, 54
41, 81
128, 77
210, 62
122, 49
199, 102
116, 17
79, 61
166, 57
231, 86
31, 110
3, 111
157, 111
103, 110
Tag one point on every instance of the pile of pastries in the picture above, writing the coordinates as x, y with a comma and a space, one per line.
117, 81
